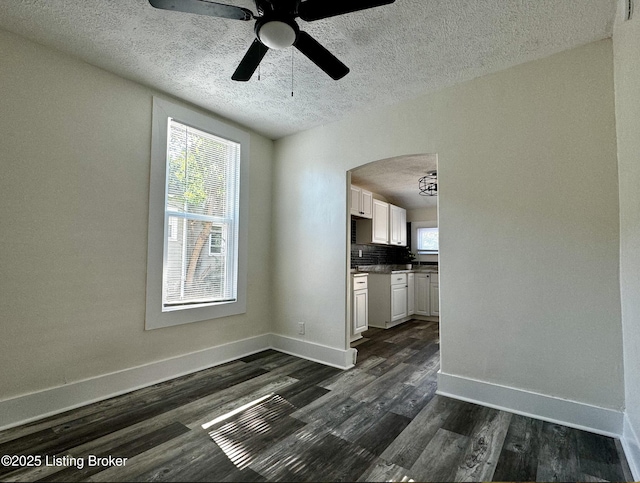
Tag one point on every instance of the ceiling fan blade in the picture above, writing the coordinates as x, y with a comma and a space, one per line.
250, 61
320, 56
317, 9
203, 7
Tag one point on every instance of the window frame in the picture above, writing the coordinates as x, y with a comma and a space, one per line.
155, 317
422, 250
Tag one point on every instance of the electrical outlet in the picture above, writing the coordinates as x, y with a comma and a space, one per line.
360, 253
301, 328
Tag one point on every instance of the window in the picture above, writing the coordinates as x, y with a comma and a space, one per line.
427, 239
197, 218
217, 240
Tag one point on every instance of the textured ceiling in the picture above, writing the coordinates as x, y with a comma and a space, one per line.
397, 179
395, 52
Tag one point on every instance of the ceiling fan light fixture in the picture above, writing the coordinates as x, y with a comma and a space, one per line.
276, 34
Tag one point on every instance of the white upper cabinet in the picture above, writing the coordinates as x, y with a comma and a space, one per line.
361, 202
375, 230
397, 226
380, 222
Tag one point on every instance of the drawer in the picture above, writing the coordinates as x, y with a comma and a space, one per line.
398, 279
360, 282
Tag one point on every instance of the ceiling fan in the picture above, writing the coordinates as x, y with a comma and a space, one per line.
275, 27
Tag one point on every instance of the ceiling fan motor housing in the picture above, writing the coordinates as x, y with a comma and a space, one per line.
277, 31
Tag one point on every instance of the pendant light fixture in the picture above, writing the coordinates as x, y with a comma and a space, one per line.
428, 184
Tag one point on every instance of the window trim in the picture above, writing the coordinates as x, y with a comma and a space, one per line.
155, 318
422, 250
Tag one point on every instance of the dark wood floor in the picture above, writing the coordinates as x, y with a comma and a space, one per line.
380, 421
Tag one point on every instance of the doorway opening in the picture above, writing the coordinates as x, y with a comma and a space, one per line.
393, 271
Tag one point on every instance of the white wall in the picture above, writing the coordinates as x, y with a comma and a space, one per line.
528, 217
74, 191
423, 214
626, 42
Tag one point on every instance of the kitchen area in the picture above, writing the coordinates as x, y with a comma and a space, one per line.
394, 243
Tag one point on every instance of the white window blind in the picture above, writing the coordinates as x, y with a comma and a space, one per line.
201, 218
427, 239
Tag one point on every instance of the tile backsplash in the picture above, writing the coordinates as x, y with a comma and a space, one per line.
376, 254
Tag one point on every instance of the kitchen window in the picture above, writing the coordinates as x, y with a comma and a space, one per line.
427, 240
197, 218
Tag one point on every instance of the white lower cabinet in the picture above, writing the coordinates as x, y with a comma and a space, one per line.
388, 301
411, 293
422, 293
359, 304
398, 302
434, 295
398, 296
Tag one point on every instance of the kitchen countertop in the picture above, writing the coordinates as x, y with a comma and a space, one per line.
386, 269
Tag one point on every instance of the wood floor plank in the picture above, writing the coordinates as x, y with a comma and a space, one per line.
300, 399
407, 447
626, 470
337, 409
519, 458
416, 399
381, 470
193, 415
378, 348
425, 372
598, 456
117, 403
332, 457
360, 421
382, 432
484, 447
463, 420
181, 459
424, 355
126, 449
243, 443
348, 380
402, 355
75, 433
441, 457
372, 391
558, 458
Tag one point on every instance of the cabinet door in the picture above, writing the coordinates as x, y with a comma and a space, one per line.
398, 302
380, 222
356, 195
411, 294
360, 311
435, 298
397, 226
422, 294
394, 225
366, 204
403, 227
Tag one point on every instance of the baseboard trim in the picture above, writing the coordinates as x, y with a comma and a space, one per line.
38, 405
569, 413
631, 445
342, 359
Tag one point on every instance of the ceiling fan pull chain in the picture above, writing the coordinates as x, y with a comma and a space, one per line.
291, 72
258, 71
